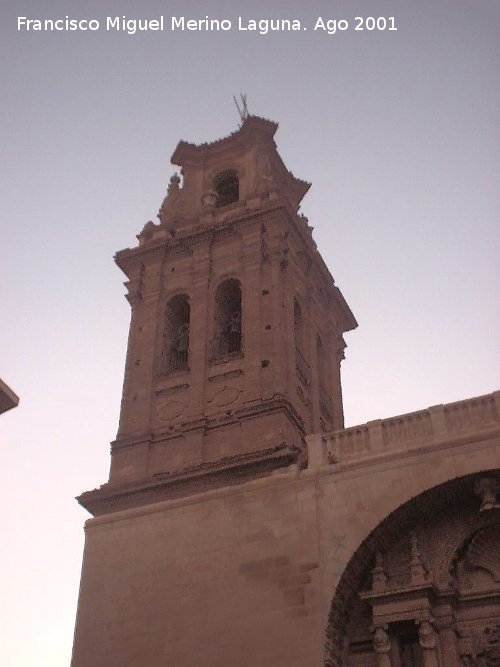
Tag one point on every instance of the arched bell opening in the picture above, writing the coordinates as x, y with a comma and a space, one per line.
227, 187
174, 354
228, 338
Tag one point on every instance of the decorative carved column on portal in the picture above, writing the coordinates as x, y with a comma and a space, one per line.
382, 646
448, 637
427, 639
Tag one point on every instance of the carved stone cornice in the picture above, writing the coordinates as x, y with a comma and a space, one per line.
403, 603
199, 232
418, 591
208, 475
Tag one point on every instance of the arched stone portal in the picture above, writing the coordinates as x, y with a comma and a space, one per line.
423, 589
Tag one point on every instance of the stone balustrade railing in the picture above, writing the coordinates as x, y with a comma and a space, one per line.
415, 430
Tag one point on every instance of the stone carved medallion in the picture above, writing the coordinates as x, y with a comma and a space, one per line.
170, 410
225, 396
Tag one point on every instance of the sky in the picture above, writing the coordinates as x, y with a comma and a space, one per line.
398, 131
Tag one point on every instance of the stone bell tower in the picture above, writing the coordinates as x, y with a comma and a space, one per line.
236, 332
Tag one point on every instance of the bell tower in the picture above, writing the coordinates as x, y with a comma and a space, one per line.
236, 329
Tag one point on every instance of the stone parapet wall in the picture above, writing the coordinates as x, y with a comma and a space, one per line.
430, 428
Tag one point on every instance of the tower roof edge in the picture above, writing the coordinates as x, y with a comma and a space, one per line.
252, 125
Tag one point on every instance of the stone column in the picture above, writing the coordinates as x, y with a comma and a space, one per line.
382, 646
449, 646
427, 639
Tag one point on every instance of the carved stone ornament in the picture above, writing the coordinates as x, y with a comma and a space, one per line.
417, 570
379, 577
147, 231
482, 649
492, 646
426, 635
487, 488
173, 201
209, 199
170, 410
484, 550
174, 183
381, 641
225, 396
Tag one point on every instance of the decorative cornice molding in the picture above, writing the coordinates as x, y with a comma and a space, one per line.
228, 471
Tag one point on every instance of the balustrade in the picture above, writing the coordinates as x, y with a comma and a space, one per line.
413, 430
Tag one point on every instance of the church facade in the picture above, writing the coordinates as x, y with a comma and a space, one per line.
242, 524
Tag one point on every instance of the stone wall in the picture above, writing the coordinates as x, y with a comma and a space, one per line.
227, 577
246, 575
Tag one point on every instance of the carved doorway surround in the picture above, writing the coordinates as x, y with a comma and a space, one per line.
423, 590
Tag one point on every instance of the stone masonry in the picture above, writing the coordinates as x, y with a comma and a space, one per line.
241, 523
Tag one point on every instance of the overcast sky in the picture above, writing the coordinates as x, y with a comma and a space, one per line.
398, 133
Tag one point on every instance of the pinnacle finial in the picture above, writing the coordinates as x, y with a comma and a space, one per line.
417, 570
379, 577
174, 182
